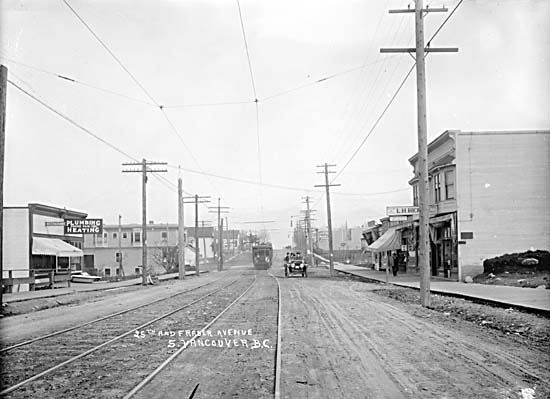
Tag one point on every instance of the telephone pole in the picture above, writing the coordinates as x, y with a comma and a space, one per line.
181, 232
120, 246
197, 199
144, 170
308, 227
422, 163
220, 210
3, 90
329, 218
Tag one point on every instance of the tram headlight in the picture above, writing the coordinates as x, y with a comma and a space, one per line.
267, 258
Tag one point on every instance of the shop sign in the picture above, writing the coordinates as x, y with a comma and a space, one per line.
398, 218
83, 226
401, 210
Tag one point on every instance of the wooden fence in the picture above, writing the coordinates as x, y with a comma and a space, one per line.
37, 279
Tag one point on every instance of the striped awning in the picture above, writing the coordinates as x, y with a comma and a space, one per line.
390, 240
54, 247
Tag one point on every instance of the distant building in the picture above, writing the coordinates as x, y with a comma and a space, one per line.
102, 252
34, 239
489, 195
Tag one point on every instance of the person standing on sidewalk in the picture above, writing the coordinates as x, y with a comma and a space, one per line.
395, 263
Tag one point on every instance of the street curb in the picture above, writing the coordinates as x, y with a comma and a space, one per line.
483, 301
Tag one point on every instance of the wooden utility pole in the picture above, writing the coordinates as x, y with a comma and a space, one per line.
329, 218
197, 199
3, 95
422, 162
181, 233
219, 210
308, 227
120, 246
144, 169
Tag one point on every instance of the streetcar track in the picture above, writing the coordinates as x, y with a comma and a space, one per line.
169, 360
108, 342
278, 361
42, 337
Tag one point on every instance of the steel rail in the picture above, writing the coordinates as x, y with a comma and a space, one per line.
150, 377
30, 341
96, 348
278, 360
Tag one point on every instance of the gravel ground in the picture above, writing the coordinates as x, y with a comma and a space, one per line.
229, 371
525, 327
115, 369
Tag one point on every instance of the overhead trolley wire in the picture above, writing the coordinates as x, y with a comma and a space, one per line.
175, 130
258, 143
72, 122
79, 82
110, 52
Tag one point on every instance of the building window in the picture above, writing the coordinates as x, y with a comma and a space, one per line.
117, 271
415, 195
105, 235
118, 256
137, 236
437, 187
449, 185
114, 235
136, 270
164, 235
107, 271
124, 235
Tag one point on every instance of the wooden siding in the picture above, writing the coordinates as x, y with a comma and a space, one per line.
15, 243
503, 194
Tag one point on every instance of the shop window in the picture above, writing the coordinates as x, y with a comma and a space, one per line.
115, 235
107, 271
437, 187
449, 185
124, 235
137, 237
164, 235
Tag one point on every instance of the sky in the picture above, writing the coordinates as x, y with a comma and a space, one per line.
170, 81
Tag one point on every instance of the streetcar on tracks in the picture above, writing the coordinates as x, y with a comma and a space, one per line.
262, 255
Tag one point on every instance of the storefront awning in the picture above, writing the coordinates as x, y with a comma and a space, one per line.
53, 247
390, 240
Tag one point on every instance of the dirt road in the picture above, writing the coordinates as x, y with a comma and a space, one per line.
339, 339
342, 340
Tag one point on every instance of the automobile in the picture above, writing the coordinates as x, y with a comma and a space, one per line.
83, 277
296, 264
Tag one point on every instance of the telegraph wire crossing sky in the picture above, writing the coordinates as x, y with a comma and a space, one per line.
177, 82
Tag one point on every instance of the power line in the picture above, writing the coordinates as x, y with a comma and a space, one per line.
366, 104
175, 130
393, 97
72, 122
279, 186
321, 80
258, 144
247, 52
213, 104
376, 122
78, 82
110, 52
